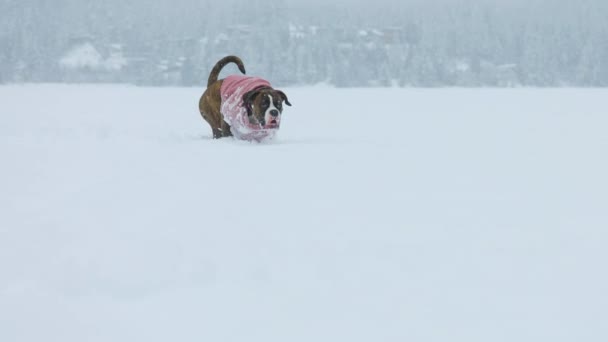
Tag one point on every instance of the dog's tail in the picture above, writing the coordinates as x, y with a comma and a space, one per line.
215, 72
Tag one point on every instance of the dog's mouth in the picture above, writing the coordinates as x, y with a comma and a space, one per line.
272, 124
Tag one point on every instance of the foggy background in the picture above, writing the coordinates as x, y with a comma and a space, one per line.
296, 42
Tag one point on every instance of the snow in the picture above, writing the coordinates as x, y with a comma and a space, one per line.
116, 61
83, 56
376, 215
86, 56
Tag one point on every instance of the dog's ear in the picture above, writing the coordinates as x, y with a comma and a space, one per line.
284, 97
248, 101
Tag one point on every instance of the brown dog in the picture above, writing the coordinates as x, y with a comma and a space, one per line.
240, 106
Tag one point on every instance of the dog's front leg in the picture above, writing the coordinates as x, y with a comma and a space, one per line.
226, 129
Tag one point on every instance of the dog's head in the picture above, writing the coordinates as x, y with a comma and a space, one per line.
265, 106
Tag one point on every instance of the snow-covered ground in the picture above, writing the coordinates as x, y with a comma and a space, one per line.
377, 215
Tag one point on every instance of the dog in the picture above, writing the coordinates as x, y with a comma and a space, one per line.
247, 108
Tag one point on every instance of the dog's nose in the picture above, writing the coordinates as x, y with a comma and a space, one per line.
274, 112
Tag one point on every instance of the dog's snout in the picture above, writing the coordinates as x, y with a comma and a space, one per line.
274, 112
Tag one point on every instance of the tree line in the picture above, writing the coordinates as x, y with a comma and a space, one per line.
415, 43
